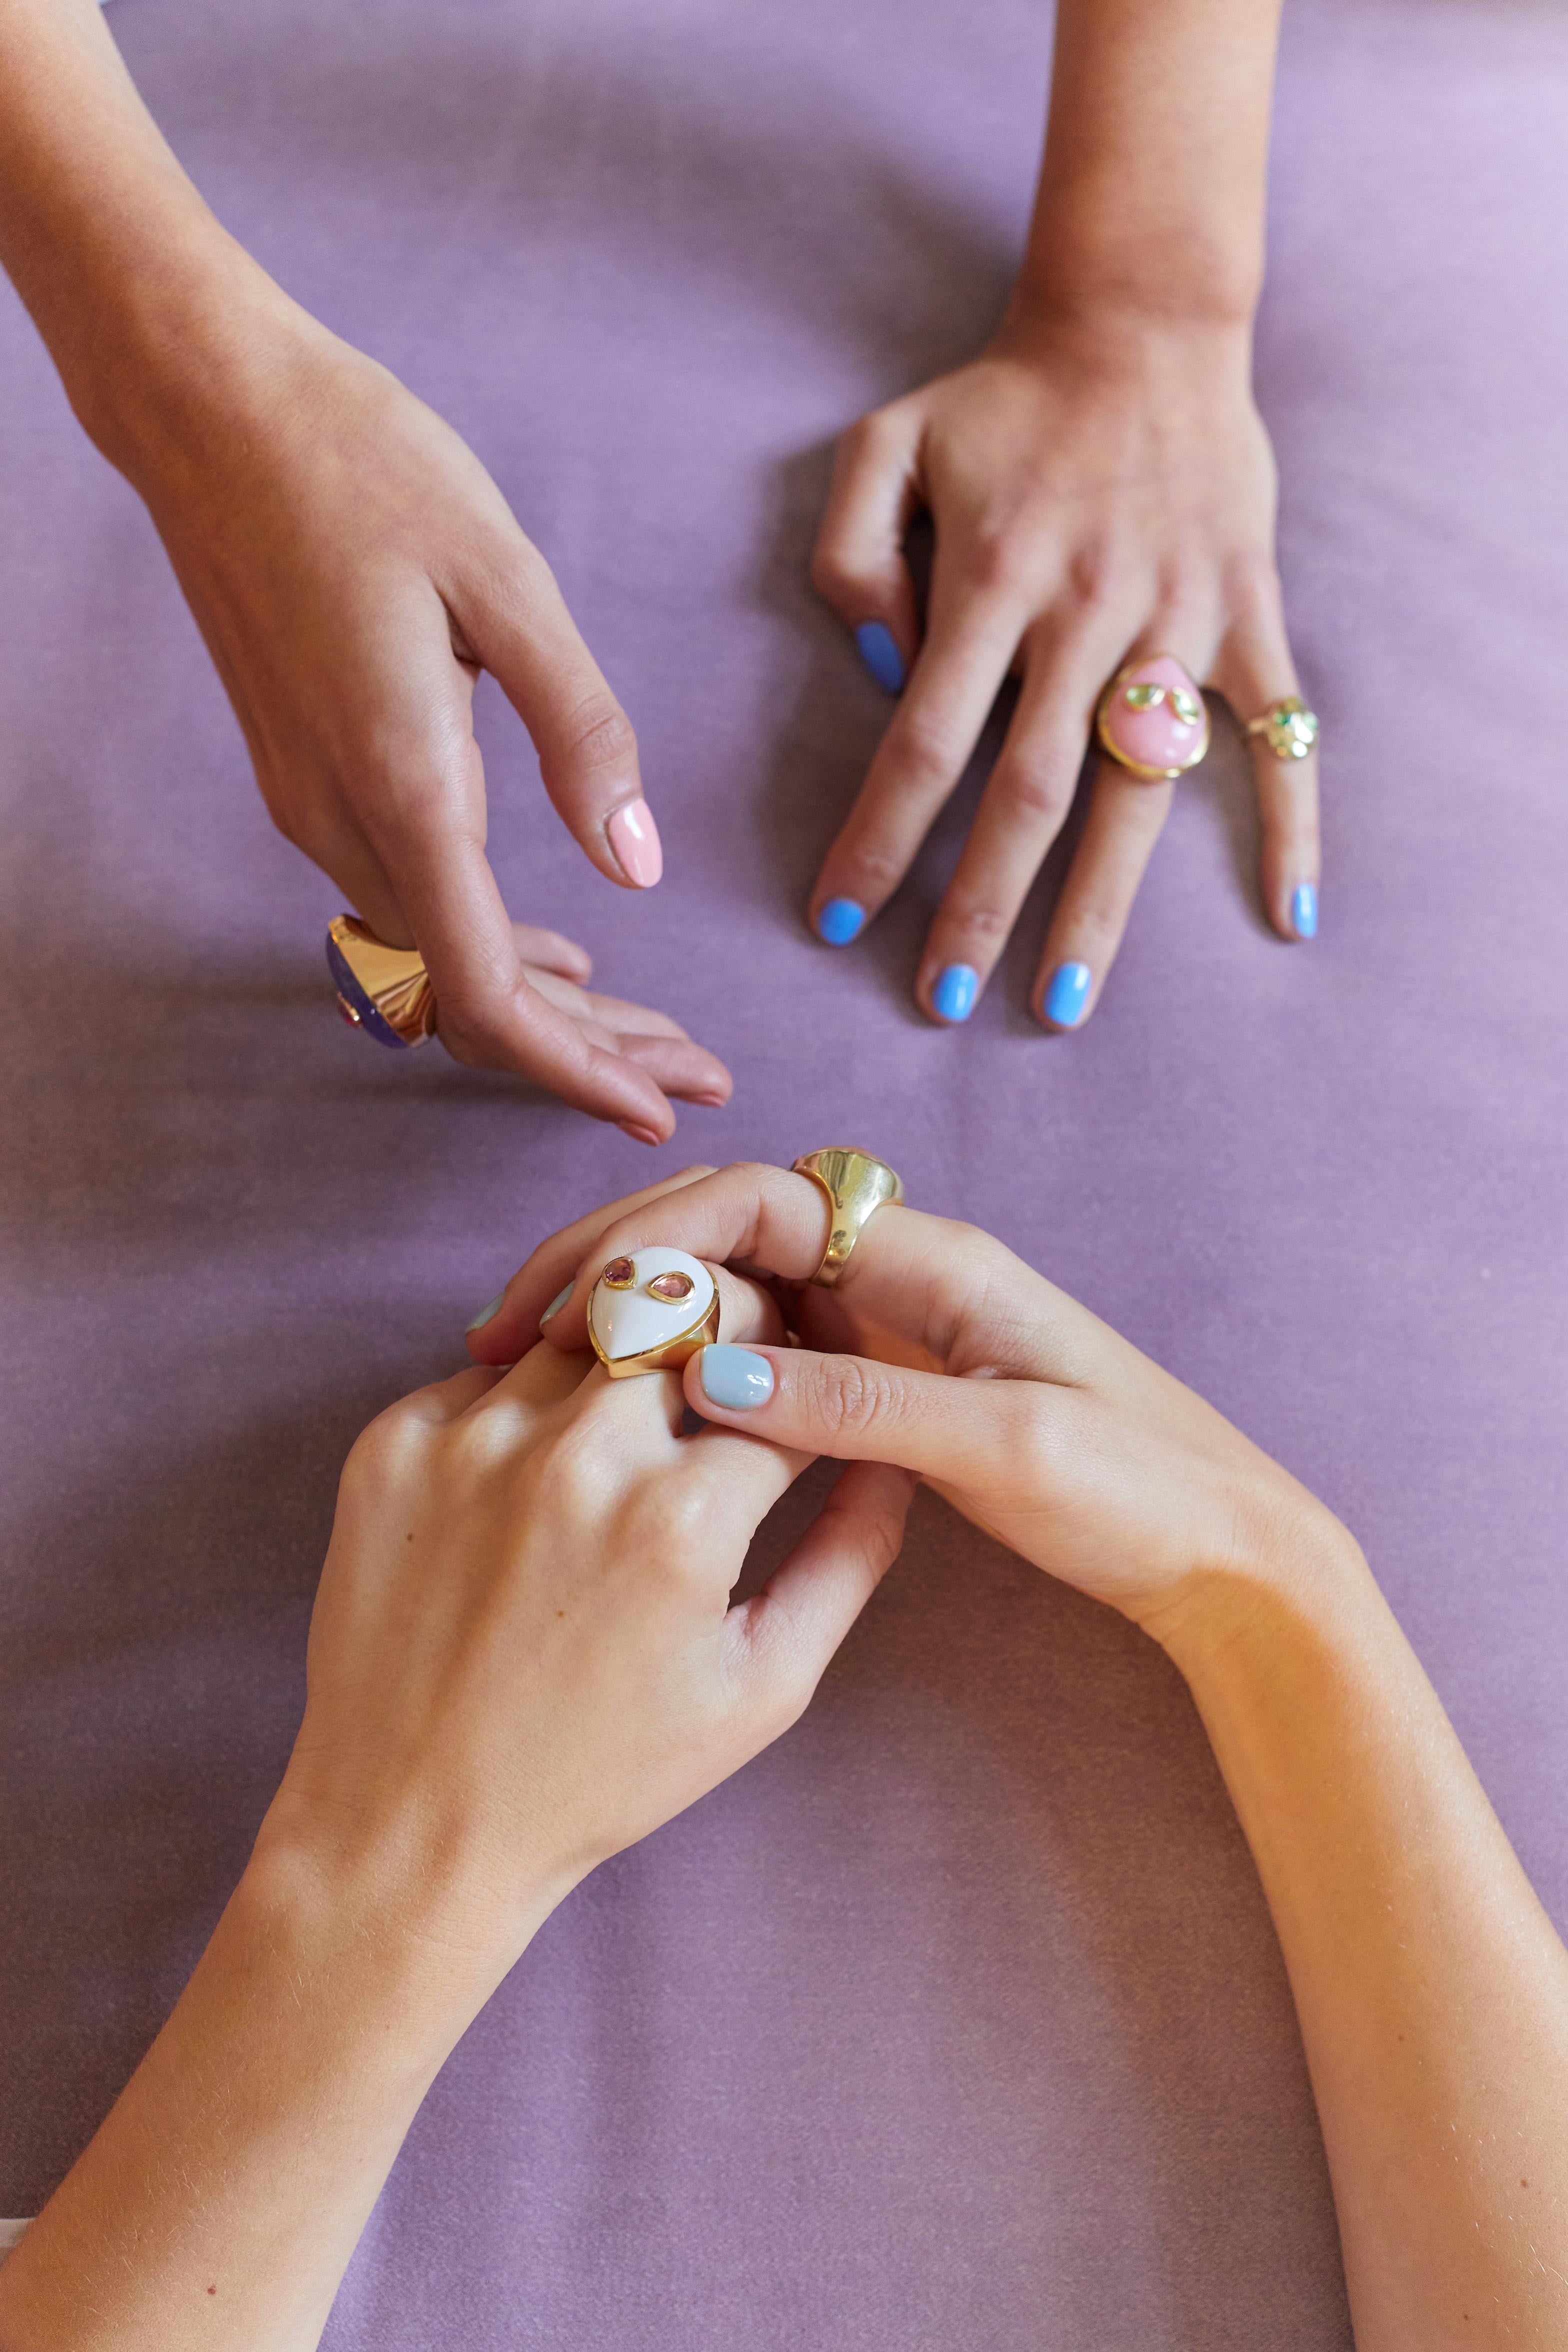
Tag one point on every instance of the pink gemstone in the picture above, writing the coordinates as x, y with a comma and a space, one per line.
671, 1285
620, 1274
1158, 736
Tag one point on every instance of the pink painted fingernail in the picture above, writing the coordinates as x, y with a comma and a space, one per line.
634, 838
1152, 717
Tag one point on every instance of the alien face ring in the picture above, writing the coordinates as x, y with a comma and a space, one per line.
650, 1311
1153, 720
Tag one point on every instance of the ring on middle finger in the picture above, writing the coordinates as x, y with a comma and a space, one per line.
650, 1311
1153, 720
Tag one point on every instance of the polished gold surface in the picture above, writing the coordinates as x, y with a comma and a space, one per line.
394, 980
1289, 728
857, 1184
668, 1356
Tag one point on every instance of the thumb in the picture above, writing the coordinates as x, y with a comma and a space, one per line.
516, 624
955, 1432
859, 566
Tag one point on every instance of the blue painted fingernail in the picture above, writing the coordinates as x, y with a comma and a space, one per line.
488, 1314
1068, 995
1304, 911
557, 1304
881, 655
840, 920
735, 1378
952, 998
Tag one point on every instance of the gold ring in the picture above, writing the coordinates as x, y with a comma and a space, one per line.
1289, 728
1152, 720
650, 1311
383, 991
857, 1184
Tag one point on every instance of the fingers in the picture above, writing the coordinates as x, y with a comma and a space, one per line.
1020, 815
859, 566
1124, 822
515, 617
1254, 672
791, 1630
957, 1433
970, 645
500, 1331
654, 1043
547, 952
488, 1012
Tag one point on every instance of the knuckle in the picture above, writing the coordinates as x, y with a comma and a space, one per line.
983, 922
999, 559
923, 753
855, 1398
1097, 577
1041, 789
598, 734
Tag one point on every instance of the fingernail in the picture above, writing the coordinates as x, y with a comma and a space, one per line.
840, 920
1304, 910
557, 1304
952, 998
488, 1314
1068, 995
634, 838
881, 655
639, 1134
735, 1378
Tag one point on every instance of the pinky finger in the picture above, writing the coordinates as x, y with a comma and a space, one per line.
1125, 820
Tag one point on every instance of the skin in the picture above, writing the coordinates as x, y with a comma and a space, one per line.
350, 564
1101, 487
1431, 1986
523, 1658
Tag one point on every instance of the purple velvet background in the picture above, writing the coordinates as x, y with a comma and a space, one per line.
956, 2020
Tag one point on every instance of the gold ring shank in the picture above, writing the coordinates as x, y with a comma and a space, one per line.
856, 1185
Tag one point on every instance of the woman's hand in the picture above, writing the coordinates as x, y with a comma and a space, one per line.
352, 568
943, 1353
524, 1657
1101, 487
350, 563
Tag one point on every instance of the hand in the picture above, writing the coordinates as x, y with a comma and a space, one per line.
352, 568
1034, 1419
523, 1655
1099, 489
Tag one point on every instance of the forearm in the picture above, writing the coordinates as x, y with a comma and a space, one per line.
128, 276
1152, 188
1431, 1988
219, 2203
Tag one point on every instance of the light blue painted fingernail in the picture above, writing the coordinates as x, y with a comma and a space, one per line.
1068, 995
1304, 911
952, 998
881, 655
840, 920
735, 1378
488, 1314
557, 1304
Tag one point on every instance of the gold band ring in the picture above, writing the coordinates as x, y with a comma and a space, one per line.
857, 1184
1289, 728
383, 991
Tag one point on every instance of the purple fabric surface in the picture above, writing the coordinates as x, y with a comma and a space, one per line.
957, 2020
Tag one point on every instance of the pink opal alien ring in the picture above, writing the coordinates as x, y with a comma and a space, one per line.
650, 1311
1153, 720
383, 991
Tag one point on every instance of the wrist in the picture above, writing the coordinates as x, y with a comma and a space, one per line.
1304, 1577
1116, 325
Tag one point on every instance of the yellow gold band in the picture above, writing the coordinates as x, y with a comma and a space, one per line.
857, 1184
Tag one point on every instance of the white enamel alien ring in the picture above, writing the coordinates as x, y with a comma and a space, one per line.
648, 1312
